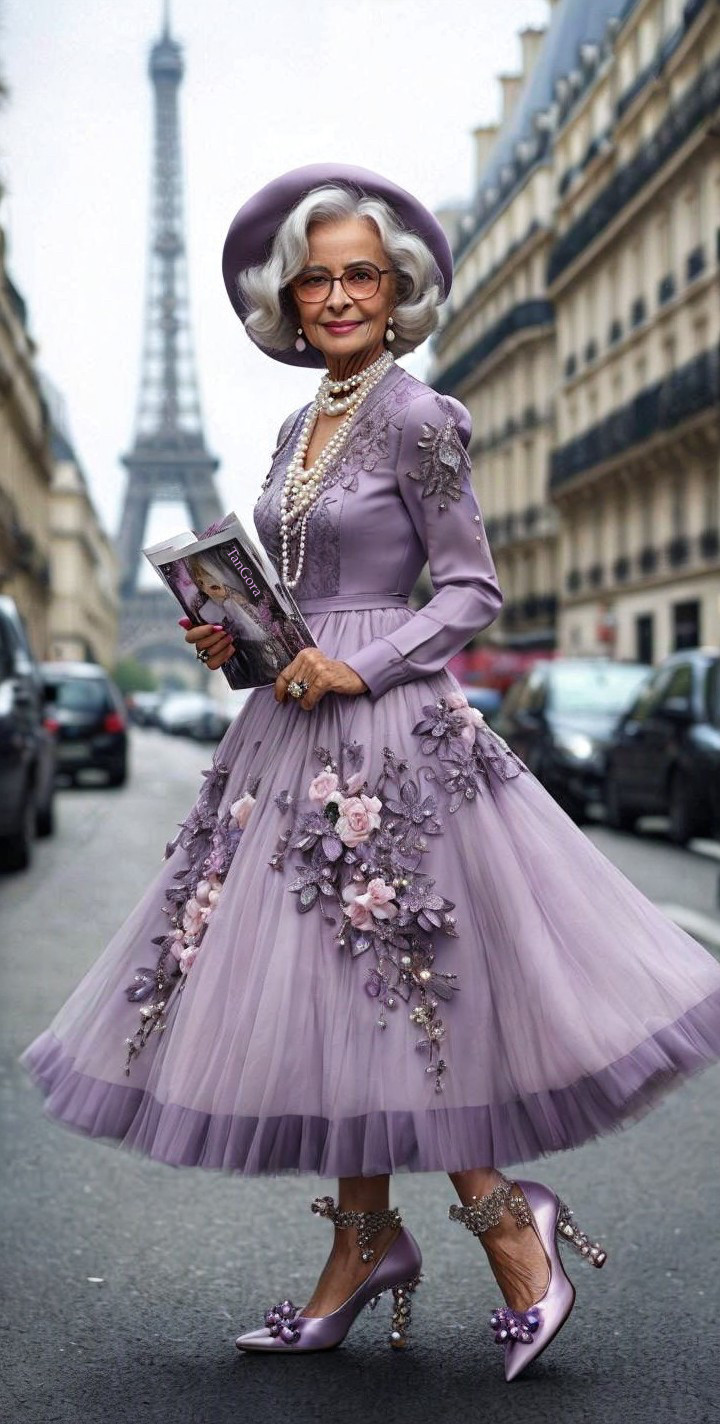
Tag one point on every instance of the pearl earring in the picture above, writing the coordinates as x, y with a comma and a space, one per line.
300, 343
390, 334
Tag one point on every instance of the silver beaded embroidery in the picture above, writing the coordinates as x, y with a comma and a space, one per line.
368, 1223
483, 1212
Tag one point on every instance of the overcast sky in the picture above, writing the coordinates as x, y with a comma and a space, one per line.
392, 85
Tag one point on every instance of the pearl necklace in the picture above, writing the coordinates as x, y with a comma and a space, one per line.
333, 397
301, 487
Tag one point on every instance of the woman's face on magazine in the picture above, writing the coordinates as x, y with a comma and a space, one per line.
208, 584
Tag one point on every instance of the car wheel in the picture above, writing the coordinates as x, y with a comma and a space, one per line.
16, 850
617, 814
45, 820
118, 777
684, 820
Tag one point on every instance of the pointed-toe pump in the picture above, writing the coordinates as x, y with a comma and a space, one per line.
398, 1270
524, 1334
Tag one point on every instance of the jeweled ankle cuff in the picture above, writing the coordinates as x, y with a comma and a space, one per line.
368, 1223
483, 1212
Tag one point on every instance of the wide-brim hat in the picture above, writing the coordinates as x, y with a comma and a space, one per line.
253, 228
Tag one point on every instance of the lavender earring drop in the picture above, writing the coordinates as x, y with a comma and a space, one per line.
390, 334
300, 343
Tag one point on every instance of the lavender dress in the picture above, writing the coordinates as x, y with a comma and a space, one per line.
377, 942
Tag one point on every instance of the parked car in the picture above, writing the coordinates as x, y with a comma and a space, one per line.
143, 707
87, 713
195, 714
664, 757
27, 747
559, 718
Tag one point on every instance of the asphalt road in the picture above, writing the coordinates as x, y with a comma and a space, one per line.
125, 1281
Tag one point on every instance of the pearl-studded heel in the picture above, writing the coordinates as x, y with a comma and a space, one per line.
398, 1270
402, 1313
592, 1251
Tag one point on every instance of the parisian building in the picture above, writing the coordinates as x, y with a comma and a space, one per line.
25, 468
583, 330
84, 567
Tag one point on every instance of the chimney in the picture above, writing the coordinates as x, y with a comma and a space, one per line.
531, 41
484, 136
511, 85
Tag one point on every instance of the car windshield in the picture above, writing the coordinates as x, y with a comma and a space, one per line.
78, 695
712, 693
605, 687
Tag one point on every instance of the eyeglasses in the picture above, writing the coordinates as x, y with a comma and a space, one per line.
360, 281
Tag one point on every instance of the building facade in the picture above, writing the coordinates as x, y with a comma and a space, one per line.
84, 564
25, 469
583, 332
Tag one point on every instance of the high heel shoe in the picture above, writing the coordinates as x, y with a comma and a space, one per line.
526, 1333
398, 1270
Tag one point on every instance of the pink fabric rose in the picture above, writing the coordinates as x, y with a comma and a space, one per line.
368, 902
359, 817
471, 717
322, 786
357, 912
192, 917
188, 957
240, 810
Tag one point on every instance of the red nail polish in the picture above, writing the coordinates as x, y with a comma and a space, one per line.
185, 622
218, 627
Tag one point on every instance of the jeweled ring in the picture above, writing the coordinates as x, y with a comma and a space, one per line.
202, 654
297, 689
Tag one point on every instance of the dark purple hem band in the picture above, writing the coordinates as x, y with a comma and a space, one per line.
437, 1139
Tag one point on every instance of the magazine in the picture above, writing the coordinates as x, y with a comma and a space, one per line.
221, 576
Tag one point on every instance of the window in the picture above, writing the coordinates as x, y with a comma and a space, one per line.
712, 693
686, 624
644, 637
680, 685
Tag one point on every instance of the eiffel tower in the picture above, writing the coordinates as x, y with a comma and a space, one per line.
169, 459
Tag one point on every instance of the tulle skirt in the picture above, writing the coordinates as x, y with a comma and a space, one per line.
574, 1007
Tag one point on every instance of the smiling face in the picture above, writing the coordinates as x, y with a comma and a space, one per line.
348, 330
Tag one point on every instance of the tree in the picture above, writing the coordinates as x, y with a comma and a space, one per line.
133, 676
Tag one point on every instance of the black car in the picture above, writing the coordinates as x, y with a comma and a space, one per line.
559, 718
88, 715
665, 755
27, 747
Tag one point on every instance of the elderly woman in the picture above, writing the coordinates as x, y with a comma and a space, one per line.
380, 943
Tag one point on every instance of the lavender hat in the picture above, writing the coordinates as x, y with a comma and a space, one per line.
253, 228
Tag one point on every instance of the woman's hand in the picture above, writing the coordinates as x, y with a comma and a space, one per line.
211, 636
322, 674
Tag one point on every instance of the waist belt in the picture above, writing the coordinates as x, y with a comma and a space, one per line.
352, 600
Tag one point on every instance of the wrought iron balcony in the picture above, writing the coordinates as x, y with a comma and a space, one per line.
523, 316
591, 350
570, 366
709, 543
615, 332
595, 575
661, 406
573, 580
647, 559
621, 568
699, 102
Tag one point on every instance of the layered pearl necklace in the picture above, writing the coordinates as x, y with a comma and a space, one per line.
301, 486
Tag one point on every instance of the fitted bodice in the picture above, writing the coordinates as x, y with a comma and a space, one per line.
360, 539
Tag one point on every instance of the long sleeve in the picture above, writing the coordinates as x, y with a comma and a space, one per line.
435, 486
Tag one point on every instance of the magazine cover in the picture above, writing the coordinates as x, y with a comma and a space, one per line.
221, 576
